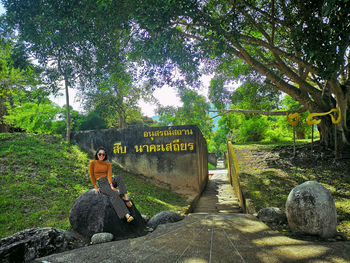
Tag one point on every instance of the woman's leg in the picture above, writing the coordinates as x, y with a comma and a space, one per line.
121, 185
122, 189
117, 203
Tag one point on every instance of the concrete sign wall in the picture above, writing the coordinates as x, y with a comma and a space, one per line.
176, 155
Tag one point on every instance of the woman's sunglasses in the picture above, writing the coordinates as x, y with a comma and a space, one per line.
101, 154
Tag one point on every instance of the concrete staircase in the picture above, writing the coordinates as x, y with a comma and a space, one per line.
218, 197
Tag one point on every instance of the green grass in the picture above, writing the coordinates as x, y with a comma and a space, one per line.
151, 199
41, 176
211, 167
270, 184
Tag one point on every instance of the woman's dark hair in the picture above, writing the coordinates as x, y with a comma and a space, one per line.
99, 149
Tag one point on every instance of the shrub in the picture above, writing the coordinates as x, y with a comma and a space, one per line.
253, 129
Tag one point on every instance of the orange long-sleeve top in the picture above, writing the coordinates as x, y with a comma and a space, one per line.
99, 169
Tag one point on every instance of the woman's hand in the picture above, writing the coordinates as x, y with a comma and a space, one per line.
97, 190
113, 188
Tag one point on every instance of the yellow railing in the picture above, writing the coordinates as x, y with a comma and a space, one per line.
233, 173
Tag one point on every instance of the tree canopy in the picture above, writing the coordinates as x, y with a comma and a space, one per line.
297, 47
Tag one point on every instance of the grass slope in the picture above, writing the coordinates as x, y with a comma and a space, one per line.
41, 176
269, 173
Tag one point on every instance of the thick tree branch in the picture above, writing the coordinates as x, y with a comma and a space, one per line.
315, 93
273, 24
271, 18
266, 113
280, 83
279, 52
257, 25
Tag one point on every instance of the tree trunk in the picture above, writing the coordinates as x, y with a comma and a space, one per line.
300, 134
122, 120
66, 83
3, 126
329, 138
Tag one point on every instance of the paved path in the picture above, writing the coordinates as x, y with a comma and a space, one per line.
220, 234
218, 196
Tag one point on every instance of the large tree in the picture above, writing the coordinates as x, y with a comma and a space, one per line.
298, 47
86, 41
51, 40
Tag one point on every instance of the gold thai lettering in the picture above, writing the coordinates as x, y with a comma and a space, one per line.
169, 147
152, 148
160, 148
138, 148
188, 132
176, 145
147, 147
119, 149
168, 132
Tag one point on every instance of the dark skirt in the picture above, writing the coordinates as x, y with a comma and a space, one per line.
116, 200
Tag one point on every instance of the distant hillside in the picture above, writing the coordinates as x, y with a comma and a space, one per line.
41, 176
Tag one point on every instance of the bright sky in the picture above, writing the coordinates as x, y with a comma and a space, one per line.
167, 96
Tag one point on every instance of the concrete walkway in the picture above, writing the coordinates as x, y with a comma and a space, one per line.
216, 232
219, 196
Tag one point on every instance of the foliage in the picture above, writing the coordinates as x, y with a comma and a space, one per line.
268, 38
194, 111
210, 166
298, 48
87, 42
117, 106
253, 129
41, 176
93, 121
33, 117
46, 117
18, 77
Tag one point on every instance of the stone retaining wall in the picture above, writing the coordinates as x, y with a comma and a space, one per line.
175, 155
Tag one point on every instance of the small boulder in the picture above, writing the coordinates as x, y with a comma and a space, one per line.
101, 238
32, 243
164, 217
93, 213
272, 215
311, 210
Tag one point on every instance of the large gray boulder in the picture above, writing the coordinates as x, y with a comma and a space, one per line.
311, 210
32, 243
93, 213
164, 217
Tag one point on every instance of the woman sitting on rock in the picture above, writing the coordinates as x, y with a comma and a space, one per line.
101, 170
